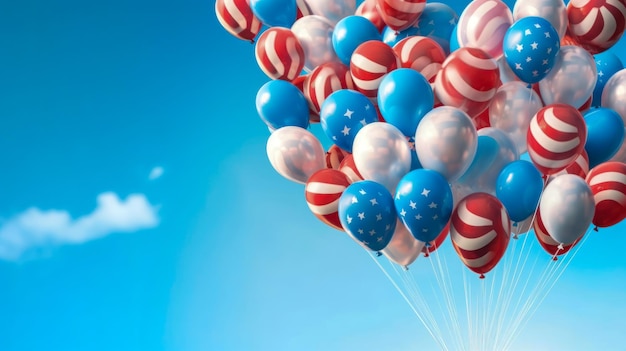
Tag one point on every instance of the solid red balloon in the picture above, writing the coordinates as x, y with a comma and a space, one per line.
608, 184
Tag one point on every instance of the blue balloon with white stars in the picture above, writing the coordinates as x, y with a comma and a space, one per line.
605, 134
607, 64
437, 22
343, 114
367, 214
424, 203
530, 48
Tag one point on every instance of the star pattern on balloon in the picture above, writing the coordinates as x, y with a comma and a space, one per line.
528, 52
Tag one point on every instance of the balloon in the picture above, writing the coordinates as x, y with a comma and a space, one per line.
547, 242
437, 22
280, 103
446, 141
348, 167
343, 114
349, 33
300, 82
381, 153
531, 46
596, 24
553, 11
422, 54
614, 97
608, 185
400, 14
275, 13
439, 240
480, 230
556, 136
367, 214
423, 202
322, 193
579, 167
303, 9
506, 74
369, 10
567, 208
607, 64
369, 63
279, 54
468, 80
519, 187
295, 153
572, 79
324, 80
237, 18
605, 134
334, 156
403, 248
511, 110
404, 97
334, 11
483, 25
315, 35
454, 42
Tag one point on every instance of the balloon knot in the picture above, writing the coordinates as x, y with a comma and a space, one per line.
482, 276
426, 254
515, 236
378, 253
595, 229
406, 268
554, 258
251, 41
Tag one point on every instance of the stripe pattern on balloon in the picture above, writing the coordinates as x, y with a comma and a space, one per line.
324, 80
400, 14
279, 54
369, 63
608, 185
483, 25
422, 54
322, 193
596, 24
546, 241
237, 18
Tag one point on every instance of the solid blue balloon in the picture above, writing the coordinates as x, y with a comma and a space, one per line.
343, 114
607, 64
367, 213
349, 33
424, 203
605, 134
530, 48
404, 97
280, 103
437, 22
275, 13
519, 188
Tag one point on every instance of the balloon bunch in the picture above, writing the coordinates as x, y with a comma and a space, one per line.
444, 124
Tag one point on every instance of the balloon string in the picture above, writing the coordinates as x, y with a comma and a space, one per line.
438, 278
450, 300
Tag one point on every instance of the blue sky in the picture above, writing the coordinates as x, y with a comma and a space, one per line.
222, 252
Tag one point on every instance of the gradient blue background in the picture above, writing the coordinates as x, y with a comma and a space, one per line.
93, 95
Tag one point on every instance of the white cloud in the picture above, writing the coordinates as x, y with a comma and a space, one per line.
155, 173
36, 229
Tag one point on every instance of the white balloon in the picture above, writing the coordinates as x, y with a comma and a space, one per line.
553, 11
315, 35
614, 97
295, 153
332, 10
403, 248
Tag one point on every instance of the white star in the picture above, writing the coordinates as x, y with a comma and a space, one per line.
534, 45
362, 192
412, 204
432, 205
349, 219
334, 137
379, 239
355, 200
432, 22
403, 213
600, 74
599, 61
374, 201
372, 232
361, 215
379, 217
519, 66
367, 107
425, 230
452, 21
547, 34
528, 59
418, 216
435, 217
537, 25
425, 192
363, 121
535, 73
527, 32
360, 231
544, 62
549, 50
348, 113
388, 226
345, 130
519, 47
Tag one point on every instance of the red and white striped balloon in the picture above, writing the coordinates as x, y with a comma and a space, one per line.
348, 167
579, 167
483, 25
237, 18
279, 54
596, 24
299, 82
322, 192
369, 10
480, 230
556, 137
303, 9
334, 156
468, 80
324, 80
400, 14
608, 185
369, 63
422, 54
546, 241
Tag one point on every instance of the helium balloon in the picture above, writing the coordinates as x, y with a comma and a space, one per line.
334, 156
579, 167
424, 202
605, 134
238, 19
437, 22
519, 187
531, 45
400, 14
614, 97
279, 54
511, 110
303, 9
381, 153
567, 208
343, 114
332, 10
367, 214
404, 97
324, 80
596, 24
553, 11
280, 103
369, 63
439, 240
315, 35
572, 78
607, 64
483, 25
348, 167
446, 141
275, 13
369, 10
480, 230
349, 33
421, 54
547, 242
608, 185
322, 193
403, 248
506, 74
556, 136
295, 153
